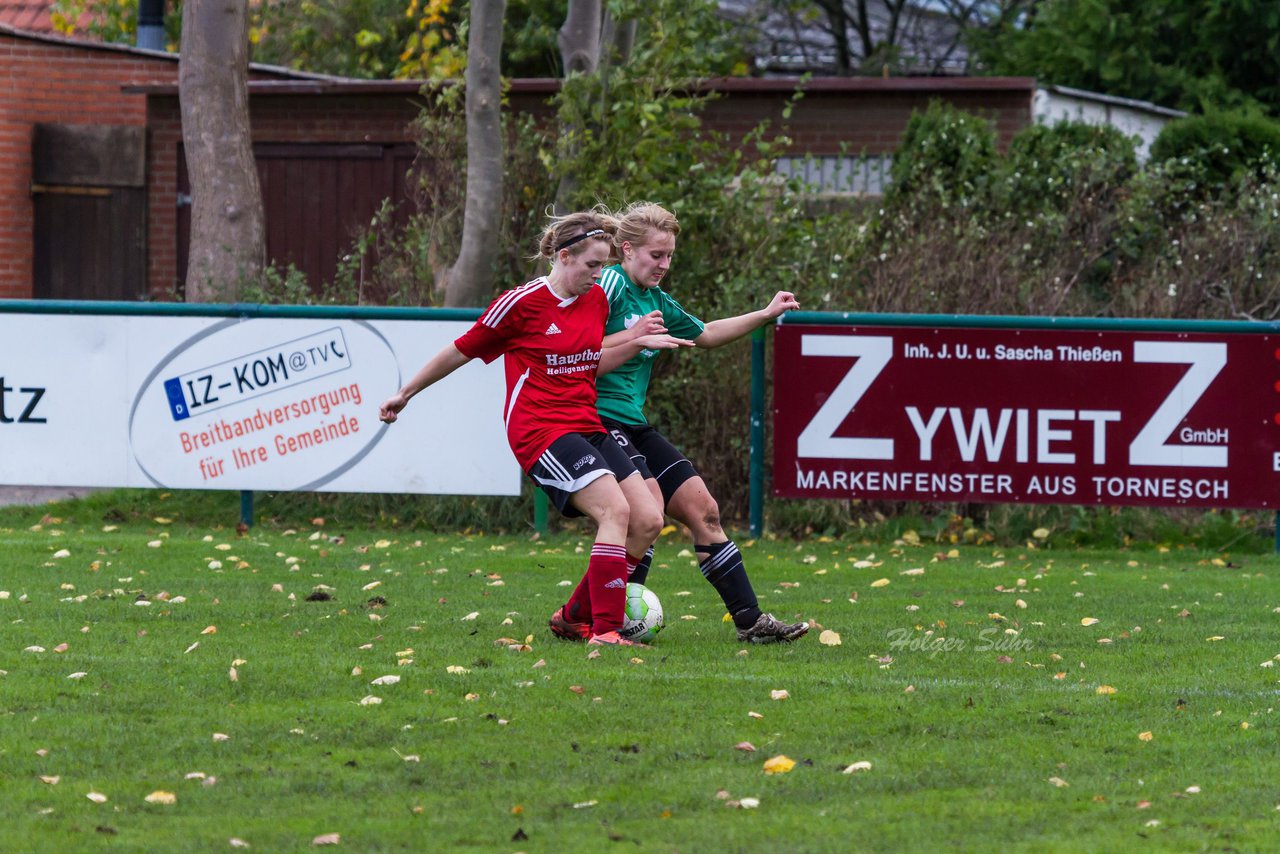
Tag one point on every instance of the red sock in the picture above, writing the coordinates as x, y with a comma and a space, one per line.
632, 563
578, 608
607, 581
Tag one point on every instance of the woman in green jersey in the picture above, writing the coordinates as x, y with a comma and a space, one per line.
645, 242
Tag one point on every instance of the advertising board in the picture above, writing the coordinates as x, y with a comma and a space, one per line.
244, 403
1006, 415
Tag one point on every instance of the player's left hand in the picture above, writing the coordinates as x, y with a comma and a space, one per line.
650, 324
782, 302
390, 409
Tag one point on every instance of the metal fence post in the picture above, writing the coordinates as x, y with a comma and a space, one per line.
756, 503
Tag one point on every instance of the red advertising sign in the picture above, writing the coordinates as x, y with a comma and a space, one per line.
1027, 415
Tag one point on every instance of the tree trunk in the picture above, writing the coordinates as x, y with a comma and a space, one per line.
579, 38
470, 280
579, 41
227, 232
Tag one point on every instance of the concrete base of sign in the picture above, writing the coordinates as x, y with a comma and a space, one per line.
32, 495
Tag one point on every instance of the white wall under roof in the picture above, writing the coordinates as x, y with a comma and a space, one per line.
1053, 104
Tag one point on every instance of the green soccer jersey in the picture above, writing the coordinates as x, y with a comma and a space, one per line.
621, 394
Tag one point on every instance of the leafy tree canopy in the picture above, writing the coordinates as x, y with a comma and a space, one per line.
1189, 54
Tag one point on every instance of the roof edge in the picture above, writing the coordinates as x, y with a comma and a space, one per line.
321, 85
145, 53
1114, 100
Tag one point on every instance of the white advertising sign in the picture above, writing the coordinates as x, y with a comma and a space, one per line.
233, 403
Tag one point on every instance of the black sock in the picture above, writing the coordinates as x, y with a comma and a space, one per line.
723, 567
641, 572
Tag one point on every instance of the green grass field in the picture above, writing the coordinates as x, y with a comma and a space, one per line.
994, 712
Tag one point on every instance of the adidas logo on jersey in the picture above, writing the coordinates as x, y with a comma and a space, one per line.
553, 330
616, 583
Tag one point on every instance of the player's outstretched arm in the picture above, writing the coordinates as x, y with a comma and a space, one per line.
616, 356
437, 368
727, 329
650, 324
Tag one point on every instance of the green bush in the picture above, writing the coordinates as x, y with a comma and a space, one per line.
945, 151
1225, 146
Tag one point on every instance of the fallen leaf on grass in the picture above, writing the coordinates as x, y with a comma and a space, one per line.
52, 781
455, 668
329, 838
829, 638
221, 736
471, 616
1059, 782
880, 582
779, 765
1089, 621
745, 803
209, 630
1215, 638
385, 680
1105, 689
745, 747
856, 767
60, 648
161, 797
97, 797
236, 842
370, 700
582, 805
755, 715
781, 694
1145, 736
233, 675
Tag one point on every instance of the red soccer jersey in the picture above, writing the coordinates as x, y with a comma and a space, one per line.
552, 349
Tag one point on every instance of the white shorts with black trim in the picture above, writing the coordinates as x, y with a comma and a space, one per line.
575, 460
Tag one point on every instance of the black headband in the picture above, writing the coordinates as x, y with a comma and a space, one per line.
572, 240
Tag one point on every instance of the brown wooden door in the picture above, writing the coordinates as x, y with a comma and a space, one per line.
316, 197
90, 212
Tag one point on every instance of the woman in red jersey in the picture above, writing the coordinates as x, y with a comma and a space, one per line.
551, 332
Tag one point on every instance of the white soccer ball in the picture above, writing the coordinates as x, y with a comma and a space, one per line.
644, 614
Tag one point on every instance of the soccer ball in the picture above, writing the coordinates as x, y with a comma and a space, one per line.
644, 614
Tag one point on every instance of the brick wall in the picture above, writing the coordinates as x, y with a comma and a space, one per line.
43, 81
863, 114
59, 80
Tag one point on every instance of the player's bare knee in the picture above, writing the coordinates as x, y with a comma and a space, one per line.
615, 513
711, 515
646, 523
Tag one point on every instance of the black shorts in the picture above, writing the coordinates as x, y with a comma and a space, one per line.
653, 455
575, 460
